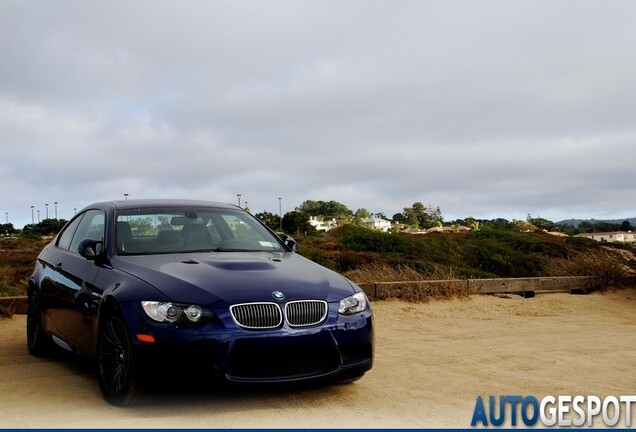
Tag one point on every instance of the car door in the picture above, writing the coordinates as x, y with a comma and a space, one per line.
73, 286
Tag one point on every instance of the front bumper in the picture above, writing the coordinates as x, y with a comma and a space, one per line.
220, 350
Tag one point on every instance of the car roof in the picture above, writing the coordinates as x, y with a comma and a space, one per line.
157, 203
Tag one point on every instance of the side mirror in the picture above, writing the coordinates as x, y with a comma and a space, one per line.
90, 249
289, 242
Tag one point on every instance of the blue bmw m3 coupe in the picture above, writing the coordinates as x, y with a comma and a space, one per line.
194, 289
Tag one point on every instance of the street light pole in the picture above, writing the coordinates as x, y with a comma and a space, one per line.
32, 215
55, 209
280, 214
46, 206
239, 199
38, 215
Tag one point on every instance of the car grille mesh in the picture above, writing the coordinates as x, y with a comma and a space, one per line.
305, 312
273, 359
257, 315
299, 313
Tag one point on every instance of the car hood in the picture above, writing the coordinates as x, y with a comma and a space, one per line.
222, 278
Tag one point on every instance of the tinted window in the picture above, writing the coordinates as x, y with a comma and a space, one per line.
91, 227
66, 236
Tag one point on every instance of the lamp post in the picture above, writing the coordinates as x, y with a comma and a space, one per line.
38, 215
75, 210
32, 216
55, 209
239, 199
46, 206
280, 214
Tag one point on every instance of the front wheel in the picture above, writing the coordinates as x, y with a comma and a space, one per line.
116, 373
37, 340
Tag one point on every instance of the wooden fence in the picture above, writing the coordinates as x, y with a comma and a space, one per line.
526, 287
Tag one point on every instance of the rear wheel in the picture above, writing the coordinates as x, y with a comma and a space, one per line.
37, 340
116, 372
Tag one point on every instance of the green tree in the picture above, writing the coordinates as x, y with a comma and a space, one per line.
399, 218
431, 217
360, 215
411, 217
7, 229
47, 227
602, 226
297, 222
327, 209
499, 223
542, 223
421, 216
270, 219
625, 226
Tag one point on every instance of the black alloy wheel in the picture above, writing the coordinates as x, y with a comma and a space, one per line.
37, 340
116, 374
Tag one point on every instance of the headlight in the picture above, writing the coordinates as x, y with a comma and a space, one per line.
175, 312
353, 304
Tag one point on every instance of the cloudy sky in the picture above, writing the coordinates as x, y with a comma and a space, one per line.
483, 108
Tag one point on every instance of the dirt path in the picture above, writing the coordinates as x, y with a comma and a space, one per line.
432, 361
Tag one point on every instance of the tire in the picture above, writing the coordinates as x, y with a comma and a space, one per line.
38, 341
116, 369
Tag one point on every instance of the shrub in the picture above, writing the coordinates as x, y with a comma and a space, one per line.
601, 264
320, 256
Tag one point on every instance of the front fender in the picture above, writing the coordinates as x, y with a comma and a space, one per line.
121, 293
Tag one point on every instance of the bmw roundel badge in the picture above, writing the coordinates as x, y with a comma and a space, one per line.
278, 295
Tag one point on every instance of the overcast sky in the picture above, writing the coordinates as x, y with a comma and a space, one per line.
483, 108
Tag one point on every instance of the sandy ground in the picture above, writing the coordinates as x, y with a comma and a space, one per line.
432, 361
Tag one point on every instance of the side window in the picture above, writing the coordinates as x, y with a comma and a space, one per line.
67, 235
91, 227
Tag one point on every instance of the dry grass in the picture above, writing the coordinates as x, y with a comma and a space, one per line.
419, 288
605, 265
424, 291
17, 258
370, 273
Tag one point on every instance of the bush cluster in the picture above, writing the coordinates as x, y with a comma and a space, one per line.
363, 254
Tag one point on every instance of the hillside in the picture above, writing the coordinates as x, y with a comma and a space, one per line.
487, 253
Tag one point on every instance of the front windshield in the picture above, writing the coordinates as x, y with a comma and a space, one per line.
178, 230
